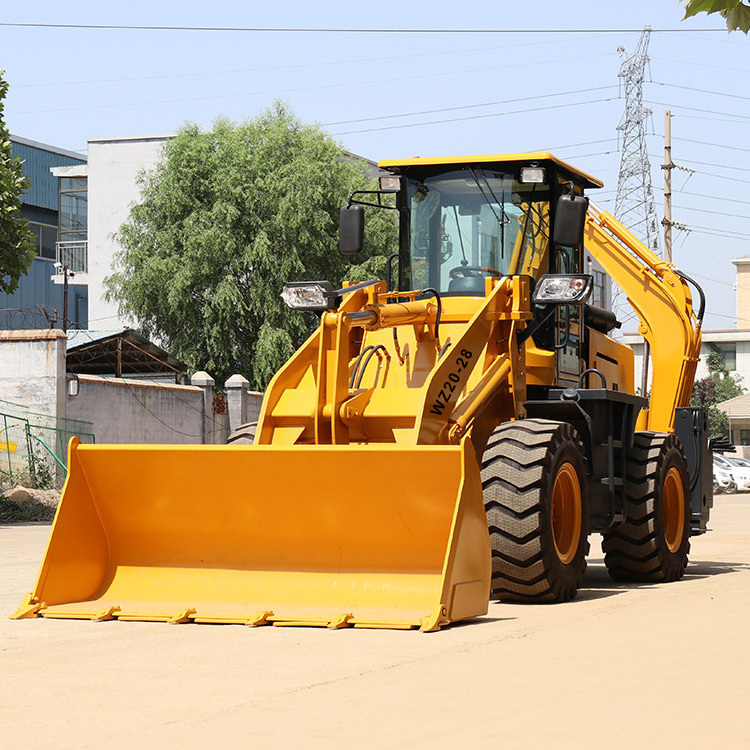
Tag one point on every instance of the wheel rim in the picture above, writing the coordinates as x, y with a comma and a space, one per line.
566, 513
673, 509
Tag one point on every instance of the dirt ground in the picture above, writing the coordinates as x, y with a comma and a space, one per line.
622, 665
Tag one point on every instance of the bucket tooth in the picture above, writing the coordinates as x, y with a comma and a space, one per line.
110, 613
260, 619
29, 608
342, 621
184, 615
433, 622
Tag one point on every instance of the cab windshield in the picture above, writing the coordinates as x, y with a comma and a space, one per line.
470, 223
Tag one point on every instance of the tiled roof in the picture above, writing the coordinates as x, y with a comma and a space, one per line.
739, 406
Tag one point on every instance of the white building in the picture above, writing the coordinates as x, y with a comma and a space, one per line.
113, 168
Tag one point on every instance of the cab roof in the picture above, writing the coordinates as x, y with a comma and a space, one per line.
584, 178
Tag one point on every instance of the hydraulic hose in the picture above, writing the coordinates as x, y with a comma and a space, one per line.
702, 308
374, 350
436, 295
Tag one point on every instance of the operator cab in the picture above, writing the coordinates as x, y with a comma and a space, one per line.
463, 219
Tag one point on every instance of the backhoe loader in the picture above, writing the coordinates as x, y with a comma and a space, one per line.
451, 434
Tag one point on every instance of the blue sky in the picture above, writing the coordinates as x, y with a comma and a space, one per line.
479, 93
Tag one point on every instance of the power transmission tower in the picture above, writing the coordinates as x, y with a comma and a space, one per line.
634, 205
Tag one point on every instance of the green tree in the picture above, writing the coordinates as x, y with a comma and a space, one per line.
717, 387
735, 12
17, 242
226, 218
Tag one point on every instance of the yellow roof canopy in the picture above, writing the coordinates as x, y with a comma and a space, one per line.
542, 156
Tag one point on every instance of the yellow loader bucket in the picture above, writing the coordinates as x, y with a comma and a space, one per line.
369, 536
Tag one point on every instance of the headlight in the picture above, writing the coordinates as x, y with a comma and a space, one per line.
557, 289
534, 175
309, 295
390, 184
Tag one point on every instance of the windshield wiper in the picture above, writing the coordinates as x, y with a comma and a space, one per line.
505, 219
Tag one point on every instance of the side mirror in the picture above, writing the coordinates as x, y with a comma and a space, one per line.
570, 218
351, 230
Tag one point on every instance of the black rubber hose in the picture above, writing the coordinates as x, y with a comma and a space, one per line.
375, 350
356, 364
702, 296
439, 301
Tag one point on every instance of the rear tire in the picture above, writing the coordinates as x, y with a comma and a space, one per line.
244, 434
652, 544
536, 500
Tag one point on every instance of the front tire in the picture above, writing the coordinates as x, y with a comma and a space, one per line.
652, 544
536, 500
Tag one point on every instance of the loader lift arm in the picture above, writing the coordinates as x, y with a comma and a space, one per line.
660, 297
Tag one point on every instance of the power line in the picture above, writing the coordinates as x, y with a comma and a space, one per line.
276, 91
728, 233
718, 145
702, 65
698, 109
713, 197
701, 91
707, 210
711, 174
721, 176
331, 63
334, 30
475, 117
467, 106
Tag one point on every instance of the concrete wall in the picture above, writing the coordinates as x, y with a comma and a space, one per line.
125, 410
32, 370
136, 411
114, 165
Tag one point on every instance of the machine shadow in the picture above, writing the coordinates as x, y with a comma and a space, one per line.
598, 585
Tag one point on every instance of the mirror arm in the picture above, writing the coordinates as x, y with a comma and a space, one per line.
379, 204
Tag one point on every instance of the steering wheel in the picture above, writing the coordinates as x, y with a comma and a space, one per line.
465, 272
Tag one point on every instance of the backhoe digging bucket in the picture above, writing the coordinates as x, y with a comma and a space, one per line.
369, 536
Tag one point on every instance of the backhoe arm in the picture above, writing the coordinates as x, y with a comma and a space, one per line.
661, 299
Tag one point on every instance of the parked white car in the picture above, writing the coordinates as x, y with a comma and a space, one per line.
723, 481
739, 474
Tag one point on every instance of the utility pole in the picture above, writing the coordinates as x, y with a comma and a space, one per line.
668, 166
65, 299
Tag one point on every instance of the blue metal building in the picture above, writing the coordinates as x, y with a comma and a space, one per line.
38, 302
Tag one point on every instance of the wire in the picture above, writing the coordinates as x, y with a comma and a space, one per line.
307, 65
712, 197
475, 117
470, 106
702, 64
728, 234
718, 145
672, 105
706, 210
721, 176
701, 91
234, 95
332, 30
720, 166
